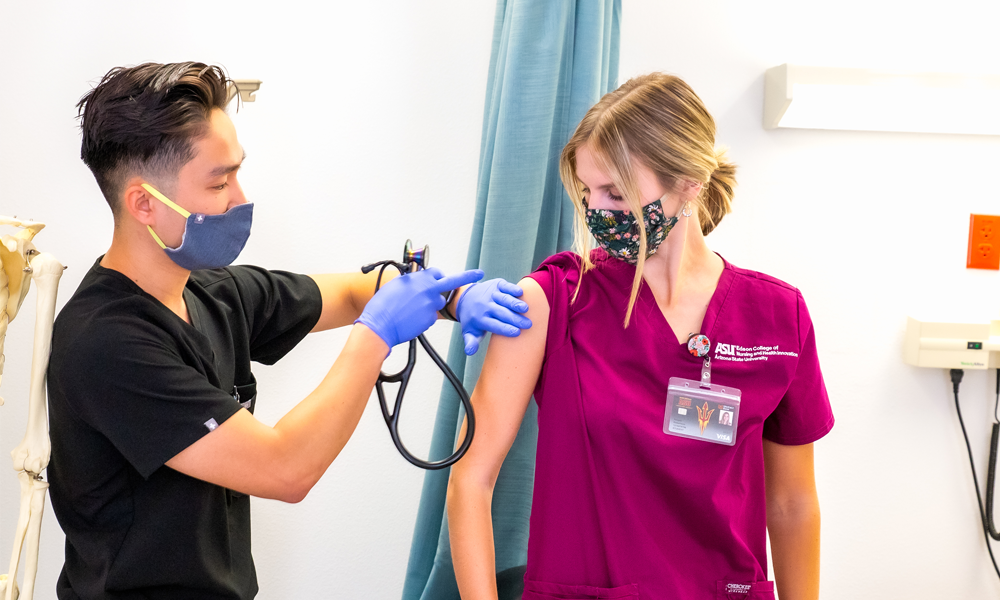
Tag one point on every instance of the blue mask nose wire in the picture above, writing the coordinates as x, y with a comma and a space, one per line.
414, 260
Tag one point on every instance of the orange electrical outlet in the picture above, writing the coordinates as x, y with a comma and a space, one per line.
984, 242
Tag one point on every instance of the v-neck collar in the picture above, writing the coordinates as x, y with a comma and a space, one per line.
719, 298
190, 300
716, 304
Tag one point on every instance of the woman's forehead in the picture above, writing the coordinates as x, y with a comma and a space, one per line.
588, 171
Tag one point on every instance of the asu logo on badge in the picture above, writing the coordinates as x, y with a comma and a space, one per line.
704, 414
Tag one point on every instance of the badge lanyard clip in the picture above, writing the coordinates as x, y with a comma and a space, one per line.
698, 409
699, 345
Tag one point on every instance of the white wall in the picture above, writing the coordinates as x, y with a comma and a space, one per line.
366, 132
872, 227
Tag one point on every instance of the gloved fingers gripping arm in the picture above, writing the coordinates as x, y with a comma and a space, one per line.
407, 306
510, 292
491, 306
486, 323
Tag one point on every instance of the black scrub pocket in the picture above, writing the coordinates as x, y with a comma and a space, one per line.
543, 590
753, 590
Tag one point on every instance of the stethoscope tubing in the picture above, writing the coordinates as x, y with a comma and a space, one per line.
392, 419
403, 378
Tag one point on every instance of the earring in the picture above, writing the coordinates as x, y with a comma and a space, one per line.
686, 211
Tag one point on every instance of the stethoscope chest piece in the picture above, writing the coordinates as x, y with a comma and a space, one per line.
416, 258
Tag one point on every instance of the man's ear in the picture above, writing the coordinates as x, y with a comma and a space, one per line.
137, 202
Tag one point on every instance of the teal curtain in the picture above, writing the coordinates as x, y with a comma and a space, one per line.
551, 61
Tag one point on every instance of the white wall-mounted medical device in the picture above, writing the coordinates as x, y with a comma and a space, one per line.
973, 346
866, 100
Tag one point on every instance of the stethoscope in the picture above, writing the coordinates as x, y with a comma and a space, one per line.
414, 260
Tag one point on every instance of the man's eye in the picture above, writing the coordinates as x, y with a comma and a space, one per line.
221, 187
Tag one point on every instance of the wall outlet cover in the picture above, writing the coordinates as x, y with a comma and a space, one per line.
984, 242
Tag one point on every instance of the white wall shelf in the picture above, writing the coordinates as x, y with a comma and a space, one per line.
865, 100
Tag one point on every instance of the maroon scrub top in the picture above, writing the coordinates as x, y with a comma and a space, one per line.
623, 510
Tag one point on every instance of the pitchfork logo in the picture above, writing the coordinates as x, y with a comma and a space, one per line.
704, 414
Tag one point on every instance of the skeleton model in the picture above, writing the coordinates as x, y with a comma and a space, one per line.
20, 263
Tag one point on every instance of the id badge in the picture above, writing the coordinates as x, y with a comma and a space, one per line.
706, 412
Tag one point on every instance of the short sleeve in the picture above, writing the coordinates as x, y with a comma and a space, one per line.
558, 276
804, 414
281, 308
128, 381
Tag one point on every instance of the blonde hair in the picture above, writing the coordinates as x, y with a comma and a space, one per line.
655, 120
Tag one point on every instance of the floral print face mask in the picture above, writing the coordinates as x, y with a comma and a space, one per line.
617, 231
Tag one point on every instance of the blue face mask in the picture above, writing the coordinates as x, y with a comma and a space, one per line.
209, 241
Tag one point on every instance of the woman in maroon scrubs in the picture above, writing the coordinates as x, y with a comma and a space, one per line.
623, 506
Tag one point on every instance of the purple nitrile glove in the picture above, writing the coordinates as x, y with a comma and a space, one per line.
491, 306
408, 305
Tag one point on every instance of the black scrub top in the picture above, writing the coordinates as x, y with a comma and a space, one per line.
130, 386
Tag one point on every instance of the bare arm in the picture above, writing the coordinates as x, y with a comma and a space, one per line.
793, 519
346, 294
284, 462
509, 375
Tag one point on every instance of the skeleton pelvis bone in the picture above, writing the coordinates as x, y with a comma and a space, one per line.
15, 252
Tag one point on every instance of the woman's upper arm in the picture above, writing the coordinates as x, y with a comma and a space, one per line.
501, 396
789, 474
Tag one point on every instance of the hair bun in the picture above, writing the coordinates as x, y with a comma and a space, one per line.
718, 197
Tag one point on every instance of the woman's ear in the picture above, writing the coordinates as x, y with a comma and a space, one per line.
692, 189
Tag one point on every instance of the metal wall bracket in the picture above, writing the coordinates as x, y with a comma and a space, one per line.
245, 87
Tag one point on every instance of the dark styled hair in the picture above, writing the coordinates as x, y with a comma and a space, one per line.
144, 120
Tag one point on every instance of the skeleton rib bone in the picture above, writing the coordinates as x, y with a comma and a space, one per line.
20, 263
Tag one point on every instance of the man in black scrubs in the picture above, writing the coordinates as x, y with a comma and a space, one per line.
154, 446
